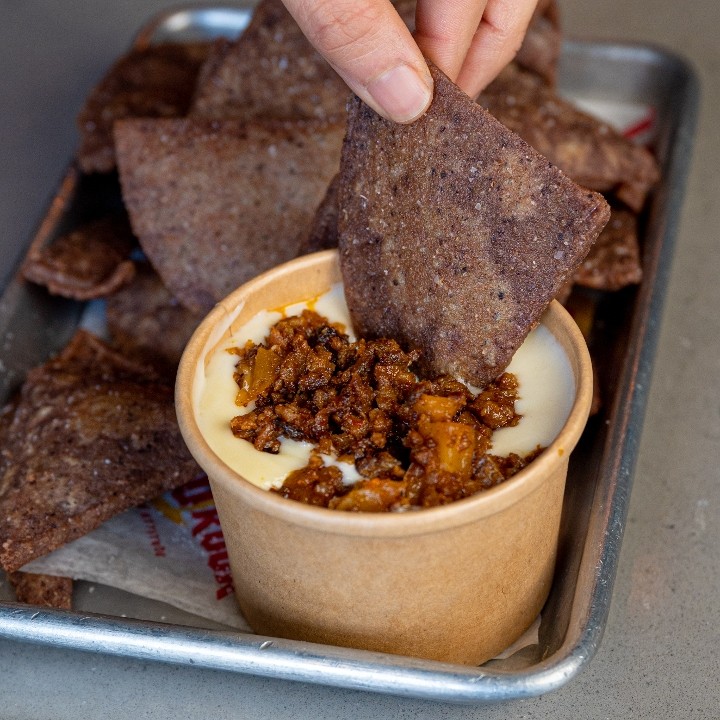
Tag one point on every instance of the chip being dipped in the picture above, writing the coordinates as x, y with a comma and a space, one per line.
454, 234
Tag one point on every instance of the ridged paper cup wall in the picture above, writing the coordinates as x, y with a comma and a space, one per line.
457, 583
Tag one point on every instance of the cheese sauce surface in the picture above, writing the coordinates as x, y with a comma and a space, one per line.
546, 393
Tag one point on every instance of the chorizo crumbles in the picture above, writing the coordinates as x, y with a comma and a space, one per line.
415, 443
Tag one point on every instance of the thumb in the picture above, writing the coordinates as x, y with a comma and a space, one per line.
371, 48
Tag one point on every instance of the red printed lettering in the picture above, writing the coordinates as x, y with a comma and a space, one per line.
218, 561
207, 519
152, 533
193, 493
213, 541
206, 528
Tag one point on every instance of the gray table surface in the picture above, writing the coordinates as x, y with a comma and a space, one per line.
659, 656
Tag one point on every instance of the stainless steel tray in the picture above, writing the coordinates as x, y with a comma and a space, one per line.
34, 325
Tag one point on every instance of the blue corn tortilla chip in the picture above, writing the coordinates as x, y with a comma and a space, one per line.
90, 435
454, 234
214, 203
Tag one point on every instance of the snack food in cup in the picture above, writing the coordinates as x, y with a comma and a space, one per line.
456, 583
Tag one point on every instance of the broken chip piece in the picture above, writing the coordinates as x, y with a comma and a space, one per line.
157, 81
42, 590
454, 234
614, 259
92, 434
214, 203
587, 150
89, 262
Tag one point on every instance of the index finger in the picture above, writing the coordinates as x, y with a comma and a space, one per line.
371, 48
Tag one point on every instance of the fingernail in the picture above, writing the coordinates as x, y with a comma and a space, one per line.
402, 93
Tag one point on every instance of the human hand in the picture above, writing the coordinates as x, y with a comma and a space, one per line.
372, 49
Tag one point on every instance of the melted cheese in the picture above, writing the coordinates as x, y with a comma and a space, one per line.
546, 395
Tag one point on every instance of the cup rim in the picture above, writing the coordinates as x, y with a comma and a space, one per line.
482, 504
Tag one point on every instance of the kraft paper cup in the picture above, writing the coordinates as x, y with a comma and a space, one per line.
457, 583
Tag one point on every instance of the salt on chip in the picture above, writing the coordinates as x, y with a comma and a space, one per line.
214, 203
589, 151
454, 234
92, 434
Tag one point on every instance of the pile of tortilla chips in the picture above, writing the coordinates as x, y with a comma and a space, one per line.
238, 155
